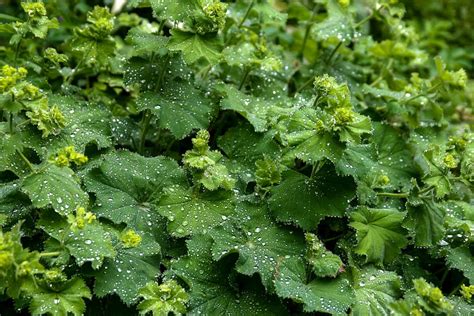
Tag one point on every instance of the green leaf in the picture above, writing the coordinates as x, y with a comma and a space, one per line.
380, 235
210, 291
179, 106
461, 259
85, 124
145, 43
14, 204
307, 141
189, 212
305, 201
259, 241
338, 24
57, 187
68, 299
88, 244
163, 299
195, 46
333, 296
322, 261
128, 186
426, 220
131, 269
254, 109
375, 290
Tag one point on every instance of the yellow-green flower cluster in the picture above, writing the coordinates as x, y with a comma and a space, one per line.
81, 219
130, 239
216, 12
68, 155
101, 24
343, 115
10, 76
467, 291
432, 295
34, 9
54, 57
49, 120
450, 161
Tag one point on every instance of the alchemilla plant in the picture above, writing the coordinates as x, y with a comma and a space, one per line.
246, 157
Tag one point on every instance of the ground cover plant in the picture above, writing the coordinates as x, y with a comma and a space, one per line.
244, 157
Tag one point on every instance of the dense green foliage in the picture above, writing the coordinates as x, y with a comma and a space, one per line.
245, 157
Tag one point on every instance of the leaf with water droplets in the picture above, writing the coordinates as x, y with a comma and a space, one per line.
127, 186
461, 259
55, 186
375, 290
244, 147
88, 244
338, 24
189, 212
425, 220
14, 204
195, 46
305, 201
65, 300
333, 296
130, 270
259, 241
210, 291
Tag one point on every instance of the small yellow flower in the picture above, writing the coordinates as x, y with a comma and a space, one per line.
130, 239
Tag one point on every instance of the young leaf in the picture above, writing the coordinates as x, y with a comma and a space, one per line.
380, 234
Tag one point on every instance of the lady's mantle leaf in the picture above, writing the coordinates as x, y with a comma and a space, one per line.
67, 300
426, 221
375, 290
88, 244
380, 234
462, 259
306, 201
57, 187
127, 186
210, 292
195, 46
259, 241
190, 213
333, 296
130, 270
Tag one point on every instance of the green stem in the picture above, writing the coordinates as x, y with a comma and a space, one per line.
307, 83
244, 78
443, 277
17, 51
145, 127
249, 8
308, 29
10, 123
50, 254
394, 195
28, 163
328, 60
367, 18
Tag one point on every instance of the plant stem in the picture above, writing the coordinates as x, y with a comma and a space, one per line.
244, 78
308, 29
394, 195
249, 8
50, 254
10, 123
145, 128
333, 52
307, 83
23, 157
367, 18
17, 52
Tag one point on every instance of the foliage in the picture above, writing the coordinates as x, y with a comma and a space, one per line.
245, 157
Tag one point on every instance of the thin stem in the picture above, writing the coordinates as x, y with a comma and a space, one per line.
244, 78
17, 51
394, 195
28, 163
249, 8
443, 277
10, 123
50, 254
307, 83
333, 52
308, 29
162, 25
145, 127
367, 18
